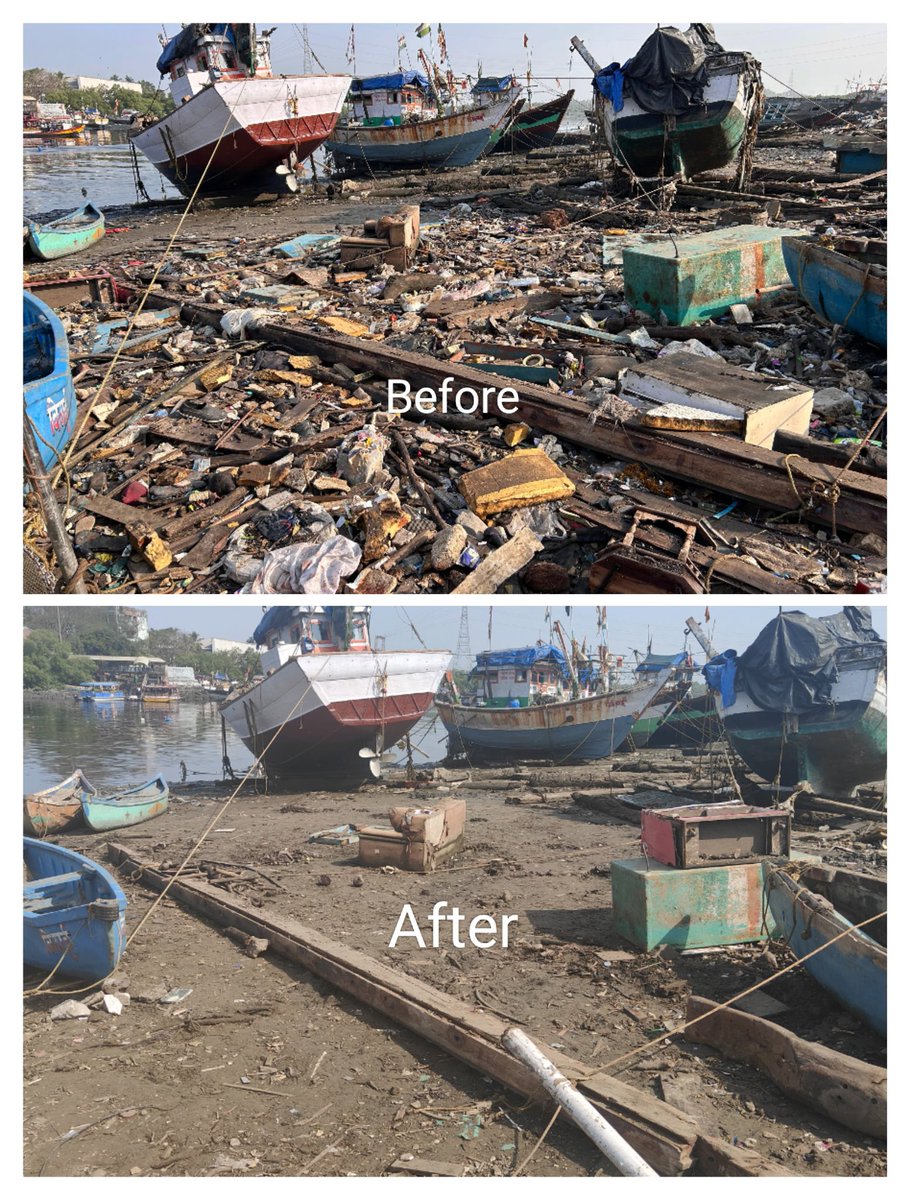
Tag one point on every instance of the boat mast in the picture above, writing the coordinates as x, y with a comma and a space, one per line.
577, 44
568, 657
700, 636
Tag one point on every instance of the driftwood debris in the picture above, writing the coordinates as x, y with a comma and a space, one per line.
845, 1088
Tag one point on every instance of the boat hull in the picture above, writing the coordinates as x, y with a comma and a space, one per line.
261, 120
73, 919
839, 289
103, 813
568, 731
835, 748
708, 138
452, 141
56, 808
53, 240
854, 968
48, 392
315, 712
534, 128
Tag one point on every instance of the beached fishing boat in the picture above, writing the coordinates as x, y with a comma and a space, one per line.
126, 808
680, 106
534, 127
100, 692
399, 120
854, 968
842, 289
73, 913
235, 124
47, 384
808, 701
330, 703
56, 808
691, 723
66, 235
532, 703
678, 670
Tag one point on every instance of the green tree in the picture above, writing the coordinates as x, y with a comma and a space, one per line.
48, 662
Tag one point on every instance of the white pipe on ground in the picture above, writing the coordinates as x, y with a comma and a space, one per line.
582, 1112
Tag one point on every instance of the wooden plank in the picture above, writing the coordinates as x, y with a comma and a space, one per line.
501, 565
112, 510
202, 516
658, 1132
839, 1086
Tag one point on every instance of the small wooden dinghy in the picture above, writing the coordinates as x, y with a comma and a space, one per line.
126, 808
58, 807
73, 911
66, 235
842, 289
854, 968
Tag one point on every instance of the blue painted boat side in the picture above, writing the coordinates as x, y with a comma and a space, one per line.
47, 384
73, 908
838, 289
576, 743
457, 151
853, 969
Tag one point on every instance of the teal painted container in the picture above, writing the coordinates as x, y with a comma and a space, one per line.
657, 905
711, 271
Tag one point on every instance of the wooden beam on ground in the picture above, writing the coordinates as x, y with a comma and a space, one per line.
661, 1134
853, 1092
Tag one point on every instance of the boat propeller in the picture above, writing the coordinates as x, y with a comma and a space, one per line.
378, 757
287, 175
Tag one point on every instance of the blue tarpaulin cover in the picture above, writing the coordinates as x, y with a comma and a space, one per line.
489, 83
185, 42
526, 656
609, 83
720, 674
660, 662
389, 83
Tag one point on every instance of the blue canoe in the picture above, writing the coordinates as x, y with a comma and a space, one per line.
50, 399
71, 907
855, 968
67, 235
840, 289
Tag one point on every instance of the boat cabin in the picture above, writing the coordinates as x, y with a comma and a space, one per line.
159, 693
390, 99
203, 53
290, 632
489, 88
517, 678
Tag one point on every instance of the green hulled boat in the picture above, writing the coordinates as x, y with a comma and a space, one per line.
126, 808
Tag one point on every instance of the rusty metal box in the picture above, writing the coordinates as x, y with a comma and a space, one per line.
703, 835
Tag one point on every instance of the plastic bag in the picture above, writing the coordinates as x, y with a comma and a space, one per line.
361, 455
307, 568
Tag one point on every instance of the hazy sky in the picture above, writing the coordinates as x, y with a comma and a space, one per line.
630, 627
812, 58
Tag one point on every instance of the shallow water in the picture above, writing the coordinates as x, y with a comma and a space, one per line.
115, 744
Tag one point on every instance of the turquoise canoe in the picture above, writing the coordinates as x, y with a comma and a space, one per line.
67, 235
126, 808
840, 289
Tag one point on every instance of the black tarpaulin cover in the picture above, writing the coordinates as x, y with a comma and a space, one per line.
792, 664
668, 74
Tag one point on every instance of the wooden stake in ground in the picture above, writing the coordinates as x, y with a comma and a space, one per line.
53, 519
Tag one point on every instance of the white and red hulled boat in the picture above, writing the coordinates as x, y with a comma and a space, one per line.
223, 88
329, 702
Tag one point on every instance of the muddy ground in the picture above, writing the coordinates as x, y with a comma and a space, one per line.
263, 1069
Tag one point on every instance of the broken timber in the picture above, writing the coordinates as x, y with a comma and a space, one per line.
785, 482
851, 1091
668, 1139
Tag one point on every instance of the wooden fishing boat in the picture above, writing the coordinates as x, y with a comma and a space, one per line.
66, 235
100, 692
234, 124
329, 703
680, 106
808, 701
58, 807
840, 288
532, 128
399, 120
73, 913
159, 693
531, 703
854, 968
126, 808
47, 384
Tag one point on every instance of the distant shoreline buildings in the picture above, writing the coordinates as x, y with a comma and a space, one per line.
87, 83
